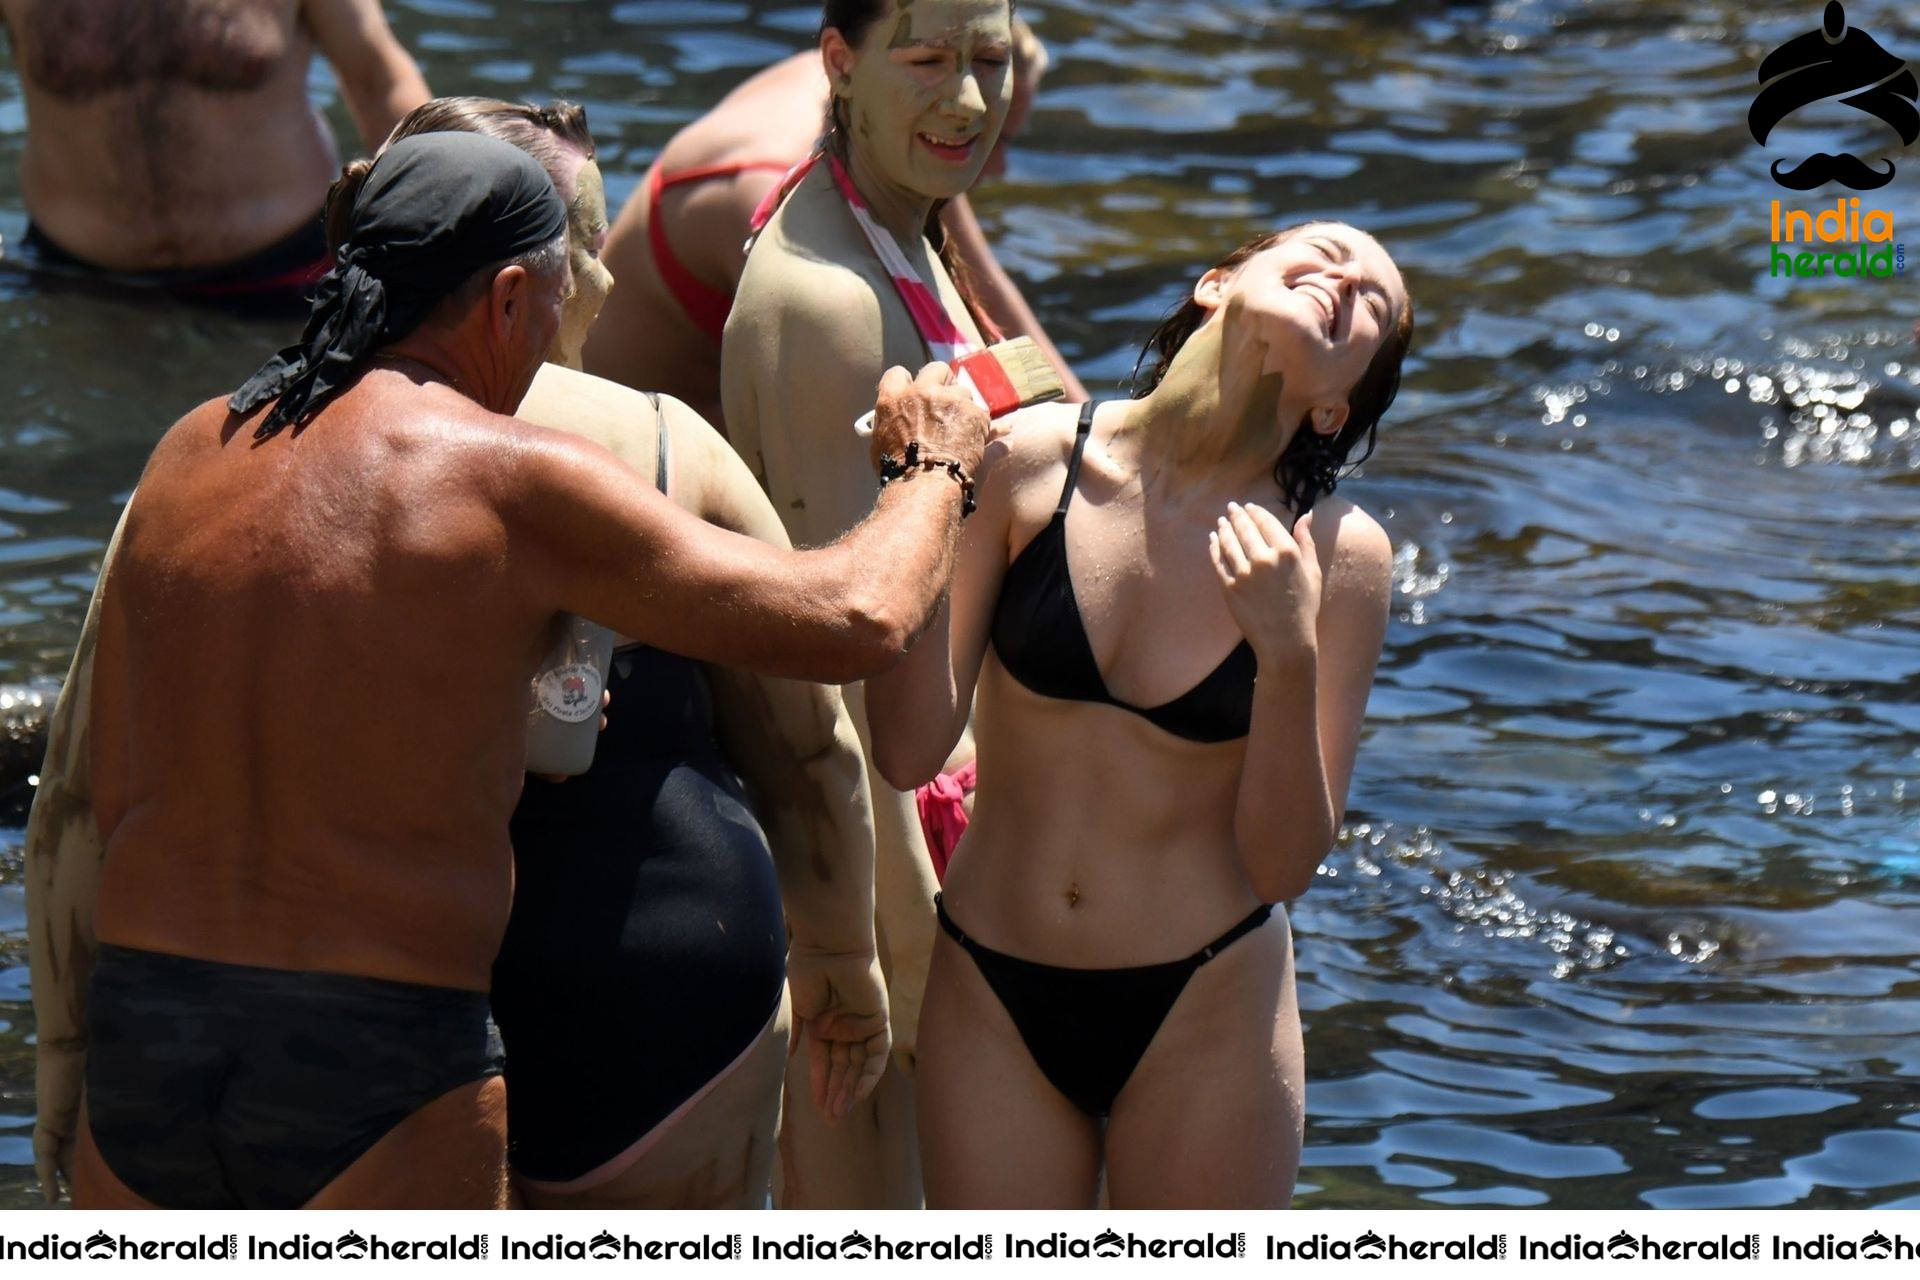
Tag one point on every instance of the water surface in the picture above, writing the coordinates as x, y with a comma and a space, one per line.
1628, 908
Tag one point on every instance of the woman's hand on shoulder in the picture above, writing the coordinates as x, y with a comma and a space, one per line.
1285, 588
1271, 578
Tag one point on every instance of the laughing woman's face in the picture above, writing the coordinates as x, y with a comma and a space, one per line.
1320, 304
926, 94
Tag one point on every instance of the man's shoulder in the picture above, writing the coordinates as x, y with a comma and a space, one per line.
506, 455
427, 434
214, 410
208, 424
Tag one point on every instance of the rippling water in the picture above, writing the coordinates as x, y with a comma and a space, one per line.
1628, 911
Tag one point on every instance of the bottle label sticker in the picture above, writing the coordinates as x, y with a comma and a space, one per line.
570, 693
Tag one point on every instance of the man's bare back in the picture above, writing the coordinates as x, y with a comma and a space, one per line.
312, 699
177, 134
311, 681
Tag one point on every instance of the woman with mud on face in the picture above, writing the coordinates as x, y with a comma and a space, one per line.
1168, 659
920, 89
639, 989
677, 244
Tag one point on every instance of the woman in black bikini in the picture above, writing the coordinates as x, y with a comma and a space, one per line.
1115, 983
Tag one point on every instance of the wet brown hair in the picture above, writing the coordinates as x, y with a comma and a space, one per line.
853, 19
552, 134
1311, 464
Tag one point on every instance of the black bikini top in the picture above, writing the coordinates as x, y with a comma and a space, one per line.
1042, 640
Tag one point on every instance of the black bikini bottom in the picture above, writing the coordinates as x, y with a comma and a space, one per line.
1087, 1029
225, 1086
280, 276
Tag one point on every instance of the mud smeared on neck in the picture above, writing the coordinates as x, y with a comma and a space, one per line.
1218, 408
1248, 412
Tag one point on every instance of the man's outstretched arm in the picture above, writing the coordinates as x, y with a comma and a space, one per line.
598, 540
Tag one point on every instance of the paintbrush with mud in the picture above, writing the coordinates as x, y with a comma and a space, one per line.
1006, 376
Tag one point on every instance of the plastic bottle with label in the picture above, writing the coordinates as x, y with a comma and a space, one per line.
563, 722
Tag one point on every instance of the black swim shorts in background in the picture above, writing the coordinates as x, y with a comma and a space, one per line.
277, 278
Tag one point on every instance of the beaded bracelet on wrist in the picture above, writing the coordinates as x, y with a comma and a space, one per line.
892, 468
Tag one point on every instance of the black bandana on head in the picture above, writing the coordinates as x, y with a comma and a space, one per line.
436, 208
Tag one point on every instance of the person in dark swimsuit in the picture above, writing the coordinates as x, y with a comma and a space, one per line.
641, 986
1114, 987
275, 278
645, 909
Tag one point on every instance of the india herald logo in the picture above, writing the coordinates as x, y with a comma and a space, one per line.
1824, 64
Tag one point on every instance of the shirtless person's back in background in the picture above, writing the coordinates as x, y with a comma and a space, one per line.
177, 135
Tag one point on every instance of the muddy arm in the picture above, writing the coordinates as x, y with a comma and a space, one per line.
794, 745
791, 398
63, 855
791, 740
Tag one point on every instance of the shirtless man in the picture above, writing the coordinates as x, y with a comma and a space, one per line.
172, 143
308, 711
